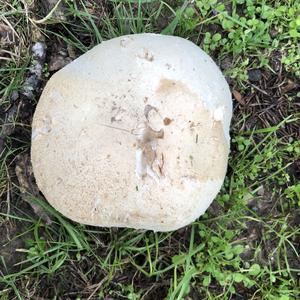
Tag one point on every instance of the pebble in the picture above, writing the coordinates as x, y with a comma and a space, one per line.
254, 75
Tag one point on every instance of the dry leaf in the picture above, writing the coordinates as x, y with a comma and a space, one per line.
238, 97
6, 35
289, 86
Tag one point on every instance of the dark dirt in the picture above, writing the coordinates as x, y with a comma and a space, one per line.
254, 75
9, 245
267, 104
12, 238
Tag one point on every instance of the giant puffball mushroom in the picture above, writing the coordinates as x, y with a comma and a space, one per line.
134, 133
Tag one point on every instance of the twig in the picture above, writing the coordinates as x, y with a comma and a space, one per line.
41, 21
262, 91
96, 289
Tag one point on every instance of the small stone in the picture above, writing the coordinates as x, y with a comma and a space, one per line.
57, 62
39, 50
254, 75
14, 96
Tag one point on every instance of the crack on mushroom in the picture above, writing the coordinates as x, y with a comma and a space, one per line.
95, 207
116, 128
147, 110
160, 166
146, 153
59, 180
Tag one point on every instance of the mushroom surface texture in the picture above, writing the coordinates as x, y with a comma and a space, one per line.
134, 133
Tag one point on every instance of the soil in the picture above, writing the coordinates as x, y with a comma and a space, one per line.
13, 239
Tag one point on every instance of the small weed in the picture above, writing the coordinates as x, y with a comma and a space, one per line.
250, 27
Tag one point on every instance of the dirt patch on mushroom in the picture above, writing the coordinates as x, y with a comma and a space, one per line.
167, 86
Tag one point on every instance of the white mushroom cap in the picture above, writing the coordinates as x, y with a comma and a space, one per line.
134, 133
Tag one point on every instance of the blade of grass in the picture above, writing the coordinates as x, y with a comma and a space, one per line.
170, 29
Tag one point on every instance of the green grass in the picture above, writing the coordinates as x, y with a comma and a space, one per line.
13, 51
246, 246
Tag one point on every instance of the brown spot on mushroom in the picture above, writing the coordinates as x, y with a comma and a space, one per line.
136, 215
167, 121
167, 86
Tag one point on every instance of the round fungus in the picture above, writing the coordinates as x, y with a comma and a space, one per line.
134, 133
